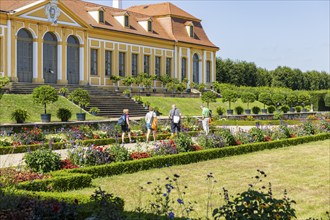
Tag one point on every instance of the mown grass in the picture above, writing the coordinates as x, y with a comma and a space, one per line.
191, 106
10, 102
303, 170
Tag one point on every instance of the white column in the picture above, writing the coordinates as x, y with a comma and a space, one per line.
35, 60
81, 64
59, 62
175, 62
212, 68
204, 69
9, 49
180, 64
188, 59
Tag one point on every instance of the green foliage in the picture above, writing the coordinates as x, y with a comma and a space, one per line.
229, 96
278, 99
183, 142
327, 100
128, 80
19, 115
248, 97
239, 110
255, 204
64, 114
220, 110
304, 98
63, 91
292, 99
278, 114
164, 79
119, 153
265, 98
298, 108
81, 97
126, 92
3, 81
208, 97
44, 95
43, 160
94, 110
285, 108
256, 110
271, 109
201, 87
115, 78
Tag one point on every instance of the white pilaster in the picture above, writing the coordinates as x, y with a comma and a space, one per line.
59, 62
212, 69
81, 64
35, 60
175, 62
9, 49
188, 59
180, 64
204, 69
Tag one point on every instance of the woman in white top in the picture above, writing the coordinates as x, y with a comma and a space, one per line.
150, 116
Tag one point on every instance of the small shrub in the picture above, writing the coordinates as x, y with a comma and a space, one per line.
33, 136
94, 110
19, 115
255, 110
285, 108
220, 110
298, 108
64, 114
183, 142
278, 114
43, 160
271, 109
165, 147
118, 153
239, 110
257, 134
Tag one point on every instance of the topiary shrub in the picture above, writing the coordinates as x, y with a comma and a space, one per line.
271, 109
63, 114
255, 110
19, 115
220, 110
285, 108
239, 110
183, 142
298, 108
42, 160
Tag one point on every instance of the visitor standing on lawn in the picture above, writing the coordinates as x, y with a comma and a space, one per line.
205, 119
175, 117
126, 128
151, 123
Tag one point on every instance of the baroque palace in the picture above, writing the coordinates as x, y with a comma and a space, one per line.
77, 42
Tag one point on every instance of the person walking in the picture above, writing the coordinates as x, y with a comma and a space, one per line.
125, 127
151, 119
205, 119
175, 117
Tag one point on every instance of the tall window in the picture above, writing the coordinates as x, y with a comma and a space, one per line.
147, 64
126, 20
101, 16
195, 68
168, 66
121, 64
149, 26
134, 64
108, 63
24, 56
183, 68
208, 71
93, 61
157, 66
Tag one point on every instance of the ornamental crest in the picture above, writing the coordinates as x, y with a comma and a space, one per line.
52, 11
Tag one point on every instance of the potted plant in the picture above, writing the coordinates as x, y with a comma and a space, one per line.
147, 83
115, 79
248, 97
229, 96
63, 91
201, 87
19, 115
164, 79
94, 110
127, 93
128, 81
292, 100
146, 104
154, 78
220, 110
81, 97
64, 114
266, 99
137, 99
44, 95
255, 110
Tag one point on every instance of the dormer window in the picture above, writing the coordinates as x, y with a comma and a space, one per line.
122, 17
146, 23
126, 21
190, 28
101, 16
97, 13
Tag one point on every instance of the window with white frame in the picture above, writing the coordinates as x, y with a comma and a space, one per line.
134, 64
157, 65
93, 61
208, 71
108, 62
146, 64
168, 66
183, 68
121, 64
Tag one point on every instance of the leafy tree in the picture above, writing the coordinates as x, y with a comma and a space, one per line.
81, 97
291, 99
128, 81
265, 98
278, 99
3, 81
327, 100
208, 97
44, 95
229, 96
304, 98
248, 97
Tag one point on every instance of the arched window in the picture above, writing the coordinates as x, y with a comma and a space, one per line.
195, 68
24, 56
72, 60
50, 58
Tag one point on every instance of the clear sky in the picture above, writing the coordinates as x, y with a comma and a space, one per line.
269, 33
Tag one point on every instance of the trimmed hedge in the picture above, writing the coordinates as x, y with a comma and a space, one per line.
60, 182
191, 157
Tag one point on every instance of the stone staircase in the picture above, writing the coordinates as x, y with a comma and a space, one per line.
110, 103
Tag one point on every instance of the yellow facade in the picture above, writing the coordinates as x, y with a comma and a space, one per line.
33, 20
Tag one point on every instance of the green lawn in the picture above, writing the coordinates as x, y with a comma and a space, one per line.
303, 170
191, 106
10, 102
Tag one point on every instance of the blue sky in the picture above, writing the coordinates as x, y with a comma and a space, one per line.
269, 33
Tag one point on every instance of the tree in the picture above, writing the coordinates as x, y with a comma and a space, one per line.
3, 82
44, 95
292, 99
278, 99
229, 96
81, 97
327, 100
304, 98
208, 97
248, 97
265, 98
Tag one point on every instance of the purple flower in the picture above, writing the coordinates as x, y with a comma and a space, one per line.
171, 215
180, 201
